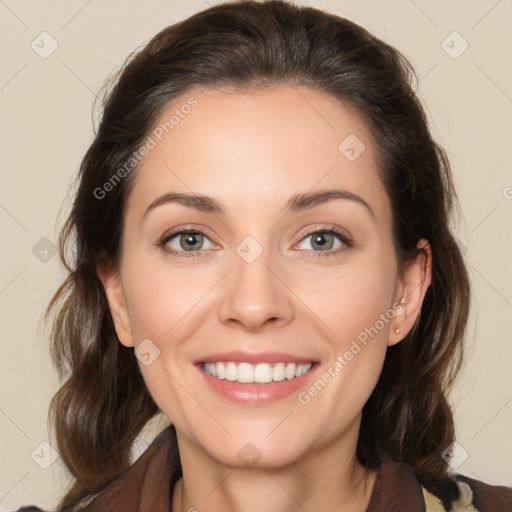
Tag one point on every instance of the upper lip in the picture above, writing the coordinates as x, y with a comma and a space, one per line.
254, 358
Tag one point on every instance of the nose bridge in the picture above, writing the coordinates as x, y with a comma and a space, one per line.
255, 294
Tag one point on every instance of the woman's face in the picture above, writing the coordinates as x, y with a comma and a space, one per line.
255, 278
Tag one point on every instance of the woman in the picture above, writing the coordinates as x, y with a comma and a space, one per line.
262, 252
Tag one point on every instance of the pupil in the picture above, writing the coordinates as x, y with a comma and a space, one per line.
190, 239
320, 240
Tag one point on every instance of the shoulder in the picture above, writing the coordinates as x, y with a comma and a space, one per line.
400, 488
469, 495
142, 486
486, 496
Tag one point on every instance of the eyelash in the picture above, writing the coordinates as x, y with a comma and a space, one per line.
316, 254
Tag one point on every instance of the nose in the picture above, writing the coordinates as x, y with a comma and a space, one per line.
256, 295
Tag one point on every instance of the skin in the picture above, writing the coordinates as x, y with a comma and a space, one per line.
252, 152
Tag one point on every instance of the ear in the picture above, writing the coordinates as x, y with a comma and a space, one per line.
411, 291
117, 304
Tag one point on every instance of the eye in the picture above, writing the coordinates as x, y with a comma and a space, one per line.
324, 240
178, 243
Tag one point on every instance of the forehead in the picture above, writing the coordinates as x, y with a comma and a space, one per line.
258, 147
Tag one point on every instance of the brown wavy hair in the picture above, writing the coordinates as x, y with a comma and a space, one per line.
103, 404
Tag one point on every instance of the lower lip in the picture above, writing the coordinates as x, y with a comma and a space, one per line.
256, 394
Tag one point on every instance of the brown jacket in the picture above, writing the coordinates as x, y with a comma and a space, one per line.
147, 486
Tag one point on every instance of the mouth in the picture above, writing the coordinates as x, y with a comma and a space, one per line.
261, 373
256, 378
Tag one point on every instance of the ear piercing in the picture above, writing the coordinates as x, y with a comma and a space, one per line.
397, 331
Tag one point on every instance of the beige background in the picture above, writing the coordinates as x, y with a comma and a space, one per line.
46, 127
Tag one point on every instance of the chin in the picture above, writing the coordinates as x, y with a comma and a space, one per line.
257, 452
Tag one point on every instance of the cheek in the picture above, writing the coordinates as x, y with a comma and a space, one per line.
167, 306
356, 308
164, 308
161, 298
352, 300
357, 315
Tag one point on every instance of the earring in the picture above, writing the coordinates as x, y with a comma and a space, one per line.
397, 331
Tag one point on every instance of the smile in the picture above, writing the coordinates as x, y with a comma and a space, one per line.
262, 373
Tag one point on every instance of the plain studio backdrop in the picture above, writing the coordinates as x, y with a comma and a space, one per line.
55, 57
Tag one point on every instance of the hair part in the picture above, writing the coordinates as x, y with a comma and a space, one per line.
104, 403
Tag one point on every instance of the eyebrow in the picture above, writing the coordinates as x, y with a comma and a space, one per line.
296, 203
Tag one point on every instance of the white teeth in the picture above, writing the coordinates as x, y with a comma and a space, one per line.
261, 373
231, 371
245, 372
290, 371
278, 372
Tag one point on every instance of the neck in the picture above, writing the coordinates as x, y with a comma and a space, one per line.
327, 479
